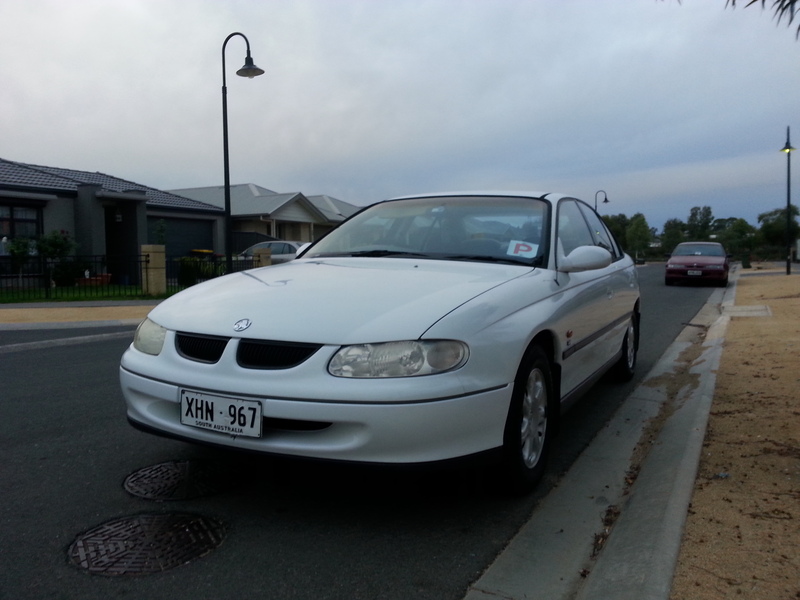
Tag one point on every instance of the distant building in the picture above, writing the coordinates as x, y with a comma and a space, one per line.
110, 216
259, 214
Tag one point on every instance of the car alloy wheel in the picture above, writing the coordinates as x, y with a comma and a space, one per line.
626, 365
534, 418
530, 423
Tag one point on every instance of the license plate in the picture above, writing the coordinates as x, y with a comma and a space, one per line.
224, 415
694, 273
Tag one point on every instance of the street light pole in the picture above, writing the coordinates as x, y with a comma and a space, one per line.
249, 70
788, 149
595, 198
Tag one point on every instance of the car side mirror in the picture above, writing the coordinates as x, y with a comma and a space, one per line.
585, 258
302, 249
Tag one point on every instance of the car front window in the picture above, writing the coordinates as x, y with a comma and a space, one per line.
448, 228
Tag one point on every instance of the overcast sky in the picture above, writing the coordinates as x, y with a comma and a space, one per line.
664, 105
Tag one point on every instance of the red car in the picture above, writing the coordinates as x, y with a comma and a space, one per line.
698, 261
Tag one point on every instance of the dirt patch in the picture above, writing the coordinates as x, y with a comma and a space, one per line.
742, 537
69, 313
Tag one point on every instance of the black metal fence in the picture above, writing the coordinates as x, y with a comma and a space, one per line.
33, 278
185, 271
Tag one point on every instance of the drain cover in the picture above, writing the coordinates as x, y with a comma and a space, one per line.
143, 544
179, 480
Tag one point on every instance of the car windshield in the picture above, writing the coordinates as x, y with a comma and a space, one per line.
491, 229
698, 250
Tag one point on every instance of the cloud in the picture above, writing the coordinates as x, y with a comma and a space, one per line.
661, 104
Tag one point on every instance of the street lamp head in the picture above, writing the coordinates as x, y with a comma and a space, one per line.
788, 149
597, 193
249, 70
788, 146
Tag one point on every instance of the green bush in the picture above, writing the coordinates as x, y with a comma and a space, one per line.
192, 269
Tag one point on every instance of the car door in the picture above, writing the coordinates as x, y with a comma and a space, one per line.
621, 283
585, 319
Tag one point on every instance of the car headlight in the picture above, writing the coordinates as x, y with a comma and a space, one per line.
149, 337
714, 267
674, 266
398, 359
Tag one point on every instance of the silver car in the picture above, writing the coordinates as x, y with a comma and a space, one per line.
282, 251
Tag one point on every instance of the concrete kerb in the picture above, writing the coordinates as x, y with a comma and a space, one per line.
640, 556
550, 557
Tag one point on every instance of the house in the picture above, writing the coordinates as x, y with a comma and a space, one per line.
259, 214
105, 215
111, 216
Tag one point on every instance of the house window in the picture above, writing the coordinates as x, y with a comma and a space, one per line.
18, 222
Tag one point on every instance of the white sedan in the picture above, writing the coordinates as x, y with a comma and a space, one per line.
422, 329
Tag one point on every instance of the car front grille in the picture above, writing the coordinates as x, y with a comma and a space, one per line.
265, 354
251, 354
202, 348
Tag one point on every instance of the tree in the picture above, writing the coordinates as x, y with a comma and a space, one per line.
739, 237
617, 225
20, 250
53, 248
698, 227
638, 235
55, 245
674, 233
773, 226
782, 8
720, 225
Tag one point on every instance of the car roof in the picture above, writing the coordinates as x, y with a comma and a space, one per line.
502, 194
276, 242
700, 244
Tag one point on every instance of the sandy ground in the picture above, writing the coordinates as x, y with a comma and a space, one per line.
69, 313
742, 537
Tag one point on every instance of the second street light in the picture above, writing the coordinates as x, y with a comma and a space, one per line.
595, 198
788, 149
249, 70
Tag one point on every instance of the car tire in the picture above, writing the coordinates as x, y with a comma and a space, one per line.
530, 424
625, 367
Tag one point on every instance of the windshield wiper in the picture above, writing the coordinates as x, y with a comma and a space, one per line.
382, 253
484, 258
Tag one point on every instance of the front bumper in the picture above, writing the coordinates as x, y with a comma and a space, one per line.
695, 274
415, 431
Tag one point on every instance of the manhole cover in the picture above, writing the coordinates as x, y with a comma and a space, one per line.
179, 480
145, 544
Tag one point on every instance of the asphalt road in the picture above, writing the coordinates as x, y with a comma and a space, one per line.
293, 529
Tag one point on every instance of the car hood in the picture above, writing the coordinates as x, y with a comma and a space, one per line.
332, 301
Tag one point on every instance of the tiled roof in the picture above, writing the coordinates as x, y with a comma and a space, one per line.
332, 208
20, 175
252, 199
215, 194
42, 178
